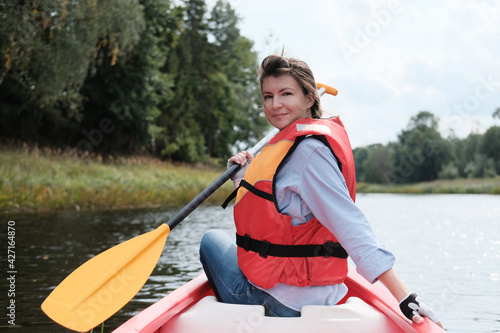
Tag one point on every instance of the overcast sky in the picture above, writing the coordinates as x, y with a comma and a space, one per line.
389, 59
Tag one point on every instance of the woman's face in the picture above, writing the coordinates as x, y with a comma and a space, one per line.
284, 100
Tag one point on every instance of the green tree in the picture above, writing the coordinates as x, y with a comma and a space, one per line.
128, 75
421, 151
182, 138
496, 114
455, 168
131, 90
471, 145
423, 120
236, 115
215, 101
480, 167
449, 171
360, 154
490, 146
469, 151
49, 47
378, 164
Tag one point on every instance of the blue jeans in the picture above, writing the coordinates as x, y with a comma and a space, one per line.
220, 262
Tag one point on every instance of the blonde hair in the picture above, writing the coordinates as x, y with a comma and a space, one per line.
276, 65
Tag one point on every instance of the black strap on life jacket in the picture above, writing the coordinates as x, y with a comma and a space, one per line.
251, 188
265, 248
269, 196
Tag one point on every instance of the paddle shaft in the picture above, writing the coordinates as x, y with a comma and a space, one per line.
216, 184
105, 283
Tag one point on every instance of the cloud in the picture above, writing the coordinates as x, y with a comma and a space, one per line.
404, 57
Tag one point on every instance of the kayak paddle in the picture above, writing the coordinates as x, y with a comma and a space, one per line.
104, 284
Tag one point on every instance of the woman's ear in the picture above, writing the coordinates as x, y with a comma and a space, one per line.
310, 100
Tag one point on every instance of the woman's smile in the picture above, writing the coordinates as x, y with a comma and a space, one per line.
285, 101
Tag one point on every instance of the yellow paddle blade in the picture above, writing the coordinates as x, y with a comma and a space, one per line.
103, 285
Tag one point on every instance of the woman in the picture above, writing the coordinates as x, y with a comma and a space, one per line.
295, 214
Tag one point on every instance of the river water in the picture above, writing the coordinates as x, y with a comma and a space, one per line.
448, 250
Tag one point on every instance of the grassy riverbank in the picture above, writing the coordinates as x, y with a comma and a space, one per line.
35, 180
455, 186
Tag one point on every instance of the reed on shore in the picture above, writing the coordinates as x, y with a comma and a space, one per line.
441, 186
47, 180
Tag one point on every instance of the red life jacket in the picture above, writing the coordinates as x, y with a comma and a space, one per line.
270, 248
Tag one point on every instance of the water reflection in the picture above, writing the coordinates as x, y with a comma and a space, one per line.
447, 249
447, 246
50, 247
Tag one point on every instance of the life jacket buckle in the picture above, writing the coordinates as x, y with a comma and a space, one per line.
245, 242
264, 248
329, 249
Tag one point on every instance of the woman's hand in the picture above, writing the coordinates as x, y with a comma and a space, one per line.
242, 158
409, 303
413, 308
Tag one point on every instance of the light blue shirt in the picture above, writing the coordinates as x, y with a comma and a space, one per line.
310, 184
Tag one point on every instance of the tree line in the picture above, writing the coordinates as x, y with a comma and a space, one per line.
173, 80
422, 154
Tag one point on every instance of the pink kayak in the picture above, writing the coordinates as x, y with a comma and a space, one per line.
193, 308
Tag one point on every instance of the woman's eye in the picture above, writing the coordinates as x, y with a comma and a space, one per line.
268, 96
287, 93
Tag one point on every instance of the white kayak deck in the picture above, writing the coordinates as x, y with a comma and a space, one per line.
209, 315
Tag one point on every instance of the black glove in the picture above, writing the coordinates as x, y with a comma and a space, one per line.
411, 306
